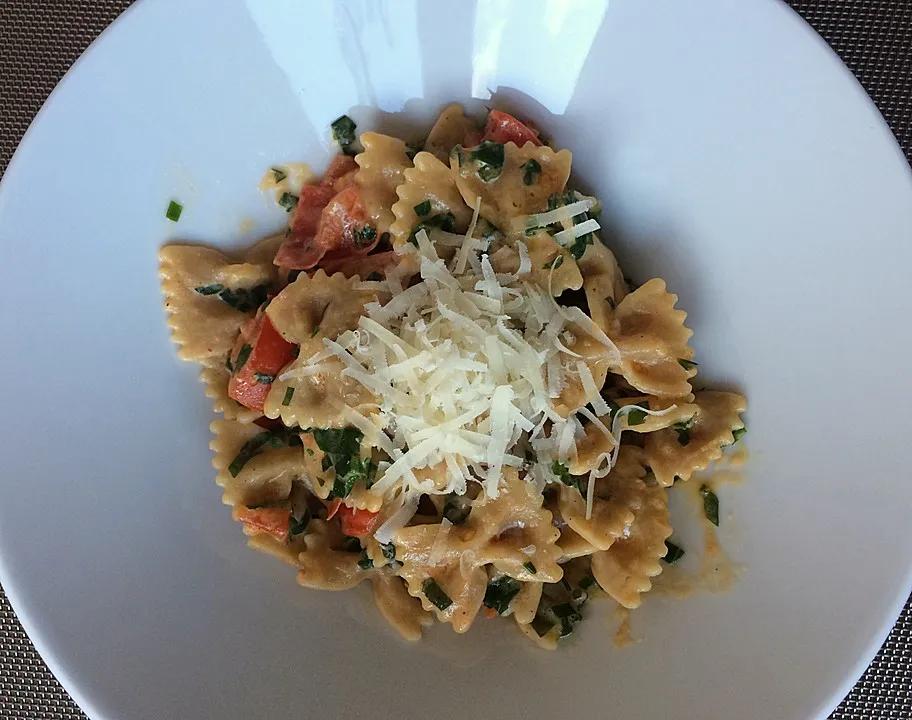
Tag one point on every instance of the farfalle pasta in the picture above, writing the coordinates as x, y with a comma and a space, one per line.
438, 380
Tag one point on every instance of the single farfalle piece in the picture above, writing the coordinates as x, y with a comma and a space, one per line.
208, 297
324, 564
653, 340
428, 198
682, 449
452, 127
381, 170
255, 466
625, 570
500, 175
616, 500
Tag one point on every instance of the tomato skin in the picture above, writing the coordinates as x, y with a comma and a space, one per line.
502, 127
271, 521
270, 353
355, 523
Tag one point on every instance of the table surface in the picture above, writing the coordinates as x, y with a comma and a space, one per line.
40, 39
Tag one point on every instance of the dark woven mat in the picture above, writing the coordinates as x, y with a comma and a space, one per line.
40, 39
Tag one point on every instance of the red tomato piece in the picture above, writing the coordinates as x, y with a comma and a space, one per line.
502, 127
357, 523
339, 166
272, 521
270, 353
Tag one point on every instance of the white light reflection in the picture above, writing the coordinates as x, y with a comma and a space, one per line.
537, 46
375, 59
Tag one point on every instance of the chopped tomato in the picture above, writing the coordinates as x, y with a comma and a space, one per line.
502, 127
339, 166
272, 520
343, 216
357, 523
269, 354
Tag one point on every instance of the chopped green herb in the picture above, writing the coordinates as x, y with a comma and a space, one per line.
284, 437
500, 593
435, 594
298, 525
263, 378
530, 566
245, 299
174, 211
309, 451
210, 289
351, 544
359, 469
456, 508
342, 449
490, 158
278, 174
388, 550
562, 472
423, 208
673, 554
710, 504
688, 364
365, 563
578, 247
738, 433
364, 236
343, 132
242, 357
288, 201
683, 429
445, 221
289, 394
636, 417
531, 170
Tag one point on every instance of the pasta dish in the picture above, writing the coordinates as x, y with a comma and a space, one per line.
437, 379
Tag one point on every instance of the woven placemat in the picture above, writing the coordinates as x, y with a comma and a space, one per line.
40, 39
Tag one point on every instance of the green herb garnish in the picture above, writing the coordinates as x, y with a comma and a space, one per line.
284, 437
389, 551
423, 208
289, 394
561, 472
288, 201
445, 221
738, 433
359, 469
242, 357
578, 247
174, 211
245, 299
490, 158
530, 566
683, 429
500, 593
263, 378
435, 594
343, 132
365, 563
210, 289
278, 174
364, 236
531, 170
710, 504
687, 364
673, 554
342, 450
636, 417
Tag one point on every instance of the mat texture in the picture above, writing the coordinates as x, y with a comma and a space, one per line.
40, 39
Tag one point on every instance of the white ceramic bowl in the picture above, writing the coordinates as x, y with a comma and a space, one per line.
735, 156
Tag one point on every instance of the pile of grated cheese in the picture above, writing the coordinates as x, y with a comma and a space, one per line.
466, 365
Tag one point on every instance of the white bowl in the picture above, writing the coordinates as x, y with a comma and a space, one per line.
736, 157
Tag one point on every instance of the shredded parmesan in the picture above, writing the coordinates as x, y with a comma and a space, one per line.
566, 237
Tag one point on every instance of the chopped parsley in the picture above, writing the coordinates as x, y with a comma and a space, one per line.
578, 246
687, 364
530, 566
278, 174
445, 221
283, 437
500, 593
364, 562
683, 429
738, 433
561, 472
213, 289
423, 208
364, 236
242, 357
710, 504
342, 450
435, 594
635, 417
674, 553
531, 171
263, 378
490, 158
289, 394
343, 132
288, 201
174, 211
245, 299
389, 551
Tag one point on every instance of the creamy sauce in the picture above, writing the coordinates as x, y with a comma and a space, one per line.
296, 176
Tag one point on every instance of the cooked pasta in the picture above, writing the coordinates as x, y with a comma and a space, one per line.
439, 380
